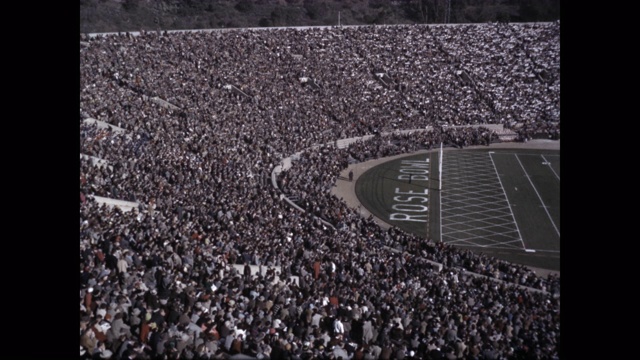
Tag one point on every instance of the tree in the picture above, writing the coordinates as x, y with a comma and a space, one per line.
315, 10
131, 5
244, 6
264, 22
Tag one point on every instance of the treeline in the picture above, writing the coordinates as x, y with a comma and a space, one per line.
136, 15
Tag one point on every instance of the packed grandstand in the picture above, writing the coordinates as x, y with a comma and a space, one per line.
207, 260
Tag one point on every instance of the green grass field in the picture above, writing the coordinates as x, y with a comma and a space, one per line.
503, 202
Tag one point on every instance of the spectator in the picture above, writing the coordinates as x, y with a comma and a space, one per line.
204, 129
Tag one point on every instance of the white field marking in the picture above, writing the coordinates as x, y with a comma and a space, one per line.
481, 228
497, 205
466, 242
479, 202
484, 237
554, 172
485, 221
504, 218
441, 170
507, 245
500, 243
474, 244
439, 191
475, 194
511, 242
549, 251
523, 152
505, 196
473, 185
471, 231
536, 190
475, 212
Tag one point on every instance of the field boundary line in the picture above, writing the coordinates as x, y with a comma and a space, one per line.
549, 164
538, 194
507, 198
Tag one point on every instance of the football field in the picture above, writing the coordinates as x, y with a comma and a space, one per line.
502, 202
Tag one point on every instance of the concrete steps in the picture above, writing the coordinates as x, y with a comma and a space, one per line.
103, 125
125, 206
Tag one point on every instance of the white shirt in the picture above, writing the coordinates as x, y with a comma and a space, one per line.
338, 327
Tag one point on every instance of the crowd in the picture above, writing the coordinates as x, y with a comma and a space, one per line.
159, 282
314, 173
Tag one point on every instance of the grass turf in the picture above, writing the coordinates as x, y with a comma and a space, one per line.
502, 202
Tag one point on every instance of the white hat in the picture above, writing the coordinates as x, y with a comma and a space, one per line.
106, 354
105, 326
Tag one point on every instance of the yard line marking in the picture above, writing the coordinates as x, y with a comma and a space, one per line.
477, 192
484, 246
554, 172
474, 198
509, 237
505, 196
528, 154
474, 245
501, 243
454, 212
490, 226
536, 190
549, 251
505, 218
478, 195
500, 229
482, 240
455, 220
465, 205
